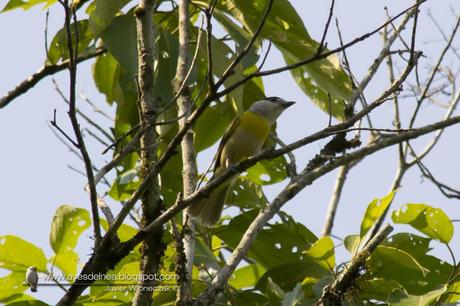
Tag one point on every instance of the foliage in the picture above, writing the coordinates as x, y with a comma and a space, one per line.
287, 264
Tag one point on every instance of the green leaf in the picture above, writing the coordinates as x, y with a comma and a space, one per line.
125, 232
240, 36
453, 294
124, 185
17, 254
58, 48
204, 256
249, 298
12, 284
268, 172
246, 277
25, 5
410, 243
287, 276
105, 75
246, 194
212, 124
120, 40
376, 288
351, 242
374, 210
393, 264
294, 297
275, 245
402, 298
285, 29
102, 14
66, 261
68, 224
322, 251
428, 220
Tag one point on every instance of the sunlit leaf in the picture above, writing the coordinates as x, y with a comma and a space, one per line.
12, 284
68, 224
246, 277
374, 210
25, 5
17, 254
428, 220
322, 251
402, 298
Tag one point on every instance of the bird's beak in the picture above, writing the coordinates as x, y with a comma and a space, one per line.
286, 104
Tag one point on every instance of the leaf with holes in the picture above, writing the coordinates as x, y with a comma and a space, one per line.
12, 284
374, 210
275, 245
68, 224
426, 219
286, 30
17, 254
410, 243
393, 264
246, 194
268, 172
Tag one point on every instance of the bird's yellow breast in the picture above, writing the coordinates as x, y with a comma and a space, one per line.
255, 125
246, 139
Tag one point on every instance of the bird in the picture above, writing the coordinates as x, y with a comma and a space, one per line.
32, 278
244, 137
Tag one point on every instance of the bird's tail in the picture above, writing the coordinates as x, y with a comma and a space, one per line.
207, 211
33, 287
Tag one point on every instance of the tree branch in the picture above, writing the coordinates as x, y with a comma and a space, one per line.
185, 241
42, 73
72, 65
333, 293
152, 248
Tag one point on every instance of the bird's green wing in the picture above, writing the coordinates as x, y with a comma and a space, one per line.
229, 131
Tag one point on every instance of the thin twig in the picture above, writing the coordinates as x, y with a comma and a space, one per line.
42, 73
322, 44
72, 65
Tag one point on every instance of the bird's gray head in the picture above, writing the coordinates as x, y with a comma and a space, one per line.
270, 108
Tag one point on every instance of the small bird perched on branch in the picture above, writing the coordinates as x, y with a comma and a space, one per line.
32, 278
244, 137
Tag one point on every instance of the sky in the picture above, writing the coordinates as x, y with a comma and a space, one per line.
36, 179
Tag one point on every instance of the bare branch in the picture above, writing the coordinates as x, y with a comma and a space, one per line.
42, 73
72, 65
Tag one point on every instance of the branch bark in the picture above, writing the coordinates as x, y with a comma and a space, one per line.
189, 168
332, 294
152, 248
42, 73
